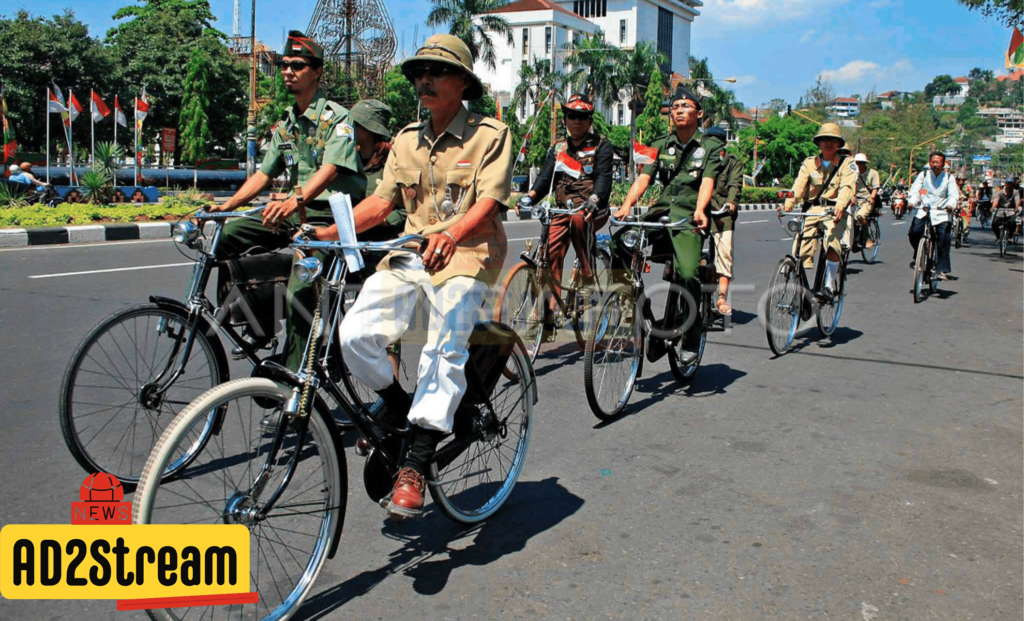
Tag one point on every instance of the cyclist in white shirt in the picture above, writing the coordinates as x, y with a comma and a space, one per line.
936, 189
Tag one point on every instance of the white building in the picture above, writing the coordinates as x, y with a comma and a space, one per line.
844, 107
542, 27
1010, 123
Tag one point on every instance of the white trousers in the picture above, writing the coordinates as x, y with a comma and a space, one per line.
384, 312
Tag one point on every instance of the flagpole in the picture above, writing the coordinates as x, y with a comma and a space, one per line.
115, 137
71, 138
92, 126
47, 109
135, 155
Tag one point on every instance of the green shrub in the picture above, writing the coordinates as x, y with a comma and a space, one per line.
760, 195
79, 213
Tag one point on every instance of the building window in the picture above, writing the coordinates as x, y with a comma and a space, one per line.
622, 114
547, 40
590, 8
622, 31
526, 41
665, 35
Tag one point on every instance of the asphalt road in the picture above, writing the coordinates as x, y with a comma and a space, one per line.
873, 476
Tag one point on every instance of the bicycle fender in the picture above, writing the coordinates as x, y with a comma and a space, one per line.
177, 307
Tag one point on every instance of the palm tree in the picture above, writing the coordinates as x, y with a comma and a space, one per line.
634, 71
593, 68
534, 81
471, 21
718, 106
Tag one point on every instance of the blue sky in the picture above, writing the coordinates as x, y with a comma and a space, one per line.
775, 48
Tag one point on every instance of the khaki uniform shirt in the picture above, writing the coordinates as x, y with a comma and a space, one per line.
302, 143
812, 176
470, 161
866, 184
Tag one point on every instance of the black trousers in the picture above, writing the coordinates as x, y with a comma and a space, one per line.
942, 230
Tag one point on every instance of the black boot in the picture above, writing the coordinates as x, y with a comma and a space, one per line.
397, 403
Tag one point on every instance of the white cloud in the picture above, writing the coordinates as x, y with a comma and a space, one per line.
807, 36
853, 71
881, 4
862, 75
745, 13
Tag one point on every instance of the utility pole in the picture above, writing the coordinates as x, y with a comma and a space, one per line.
250, 130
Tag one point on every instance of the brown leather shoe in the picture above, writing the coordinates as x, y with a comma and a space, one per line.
407, 497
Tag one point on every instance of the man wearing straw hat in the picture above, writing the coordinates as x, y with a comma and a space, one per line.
826, 180
453, 175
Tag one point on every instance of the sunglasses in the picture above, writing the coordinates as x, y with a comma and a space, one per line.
577, 116
435, 70
294, 65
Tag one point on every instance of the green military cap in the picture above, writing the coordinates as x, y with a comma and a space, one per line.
450, 50
682, 92
373, 115
299, 44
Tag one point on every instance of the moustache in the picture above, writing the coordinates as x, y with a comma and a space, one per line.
425, 89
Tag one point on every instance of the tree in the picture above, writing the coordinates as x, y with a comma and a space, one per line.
484, 105
535, 81
471, 21
594, 68
1009, 12
39, 52
636, 72
818, 96
193, 121
400, 96
783, 143
152, 46
718, 106
941, 85
651, 124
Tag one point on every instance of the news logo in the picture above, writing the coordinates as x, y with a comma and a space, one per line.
101, 502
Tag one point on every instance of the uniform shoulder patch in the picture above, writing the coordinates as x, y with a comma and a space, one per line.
344, 130
853, 167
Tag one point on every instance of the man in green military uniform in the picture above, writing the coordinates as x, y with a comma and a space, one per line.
728, 185
686, 166
314, 142
373, 140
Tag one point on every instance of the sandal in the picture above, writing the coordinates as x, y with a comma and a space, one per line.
723, 306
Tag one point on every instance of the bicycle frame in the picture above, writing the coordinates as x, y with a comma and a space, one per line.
197, 307
800, 238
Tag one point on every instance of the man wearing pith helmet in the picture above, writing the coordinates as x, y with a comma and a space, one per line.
452, 173
586, 182
825, 181
314, 142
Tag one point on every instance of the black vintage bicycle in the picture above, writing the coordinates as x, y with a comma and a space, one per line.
927, 261
527, 294
868, 237
621, 336
792, 297
290, 487
136, 370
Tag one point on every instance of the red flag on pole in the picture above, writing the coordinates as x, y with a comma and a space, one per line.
566, 164
644, 155
99, 109
55, 104
1015, 54
74, 109
119, 116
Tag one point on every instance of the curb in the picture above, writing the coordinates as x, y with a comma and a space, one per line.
98, 233
89, 233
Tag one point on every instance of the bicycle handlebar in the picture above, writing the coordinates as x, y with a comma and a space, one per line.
824, 214
394, 245
202, 214
640, 224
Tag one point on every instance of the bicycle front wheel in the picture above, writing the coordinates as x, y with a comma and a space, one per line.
589, 301
225, 484
684, 374
874, 237
921, 269
111, 410
782, 307
613, 354
475, 483
830, 311
519, 307
1004, 237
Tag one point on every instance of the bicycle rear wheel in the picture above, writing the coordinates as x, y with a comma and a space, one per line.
782, 307
921, 269
589, 302
110, 413
830, 311
613, 353
480, 479
959, 237
684, 374
291, 542
874, 236
1004, 237
519, 306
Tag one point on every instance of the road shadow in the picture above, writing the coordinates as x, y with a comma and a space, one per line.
425, 555
851, 271
841, 336
550, 360
712, 379
740, 318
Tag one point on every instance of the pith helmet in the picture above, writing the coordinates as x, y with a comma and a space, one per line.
450, 50
830, 130
860, 157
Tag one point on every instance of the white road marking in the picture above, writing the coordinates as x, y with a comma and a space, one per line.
898, 223
116, 269
750, 221
522, 238
47, 247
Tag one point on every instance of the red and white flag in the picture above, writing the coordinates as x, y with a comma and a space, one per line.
522, 150
98, 109
74, 109
141, 107
119, 116
644, 155
55, 103
564, 163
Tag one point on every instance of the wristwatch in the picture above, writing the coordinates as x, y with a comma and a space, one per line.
308, 231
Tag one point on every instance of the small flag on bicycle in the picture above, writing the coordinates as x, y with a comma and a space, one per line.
564, 163
644, 155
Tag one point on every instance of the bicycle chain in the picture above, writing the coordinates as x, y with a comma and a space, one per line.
311, 359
